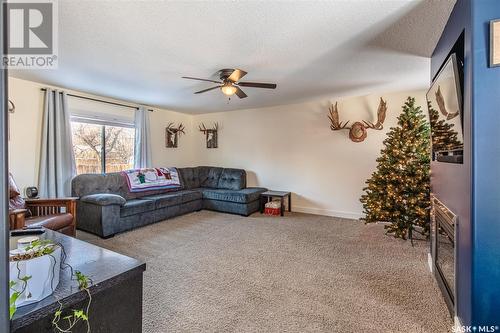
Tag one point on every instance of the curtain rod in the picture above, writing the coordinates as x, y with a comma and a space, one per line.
102, 101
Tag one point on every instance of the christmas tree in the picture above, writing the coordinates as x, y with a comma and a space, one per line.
398, 191
444, 137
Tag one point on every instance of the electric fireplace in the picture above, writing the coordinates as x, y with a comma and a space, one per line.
443, 250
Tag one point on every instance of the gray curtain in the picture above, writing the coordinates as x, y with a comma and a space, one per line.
142, 149
57, 159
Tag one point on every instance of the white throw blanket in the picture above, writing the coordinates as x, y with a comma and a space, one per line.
150, 179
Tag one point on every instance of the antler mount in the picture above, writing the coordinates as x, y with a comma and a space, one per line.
204, 129
173, 130
357, 131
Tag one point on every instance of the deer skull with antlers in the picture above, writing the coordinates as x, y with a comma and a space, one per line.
357, 131
211, 134
172, 135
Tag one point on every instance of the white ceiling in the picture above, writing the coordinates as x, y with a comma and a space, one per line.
138, 50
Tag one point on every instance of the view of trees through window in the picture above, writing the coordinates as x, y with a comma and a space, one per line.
118, 152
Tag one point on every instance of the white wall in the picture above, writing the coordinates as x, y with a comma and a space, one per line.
26, 128
292, 148
283, 148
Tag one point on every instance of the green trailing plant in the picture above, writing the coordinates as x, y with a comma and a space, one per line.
36, 249
16, 293
40, 248
76, 315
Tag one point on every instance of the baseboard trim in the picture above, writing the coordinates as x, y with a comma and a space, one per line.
327, 212
458, 327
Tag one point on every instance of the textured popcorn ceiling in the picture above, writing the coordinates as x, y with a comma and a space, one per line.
138, 50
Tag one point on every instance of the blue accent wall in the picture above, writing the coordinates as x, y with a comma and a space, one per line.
472, 189
486, 169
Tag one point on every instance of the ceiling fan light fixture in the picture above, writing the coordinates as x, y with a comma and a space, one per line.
228, 89
230, 83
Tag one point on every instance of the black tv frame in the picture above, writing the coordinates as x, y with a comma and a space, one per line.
456, 155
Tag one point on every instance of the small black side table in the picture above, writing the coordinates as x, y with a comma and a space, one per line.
269, 195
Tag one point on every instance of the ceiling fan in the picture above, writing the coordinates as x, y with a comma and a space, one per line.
230, 83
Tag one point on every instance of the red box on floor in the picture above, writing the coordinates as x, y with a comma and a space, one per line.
272, 211
273, 208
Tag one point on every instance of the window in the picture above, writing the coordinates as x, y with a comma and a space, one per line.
102, 148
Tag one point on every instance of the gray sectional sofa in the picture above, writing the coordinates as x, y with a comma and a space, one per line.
106, 206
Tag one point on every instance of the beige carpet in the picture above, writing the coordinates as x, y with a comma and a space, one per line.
212, 272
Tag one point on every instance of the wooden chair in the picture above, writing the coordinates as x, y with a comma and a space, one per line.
54, 214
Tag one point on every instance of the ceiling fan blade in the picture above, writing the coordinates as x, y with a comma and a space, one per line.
205, 90
236, 75
257, 85
196, 78
240, 93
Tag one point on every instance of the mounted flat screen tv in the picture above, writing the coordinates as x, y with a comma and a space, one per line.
445, 113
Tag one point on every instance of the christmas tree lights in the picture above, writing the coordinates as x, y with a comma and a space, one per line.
398, 191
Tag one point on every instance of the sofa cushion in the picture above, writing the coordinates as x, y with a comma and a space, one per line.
136, 206
190, 177
165, 200
232, 179
189, 195
209, 176
173, 198
241, 196
104, 199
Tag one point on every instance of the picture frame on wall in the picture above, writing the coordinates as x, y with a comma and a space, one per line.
495, 43
211, 138
171, 139
172, 135
210, 134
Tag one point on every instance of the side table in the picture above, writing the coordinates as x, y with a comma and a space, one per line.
269, 195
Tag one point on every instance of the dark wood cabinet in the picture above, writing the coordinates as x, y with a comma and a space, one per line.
116, 290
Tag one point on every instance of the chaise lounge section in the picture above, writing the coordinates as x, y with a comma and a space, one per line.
107, 207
